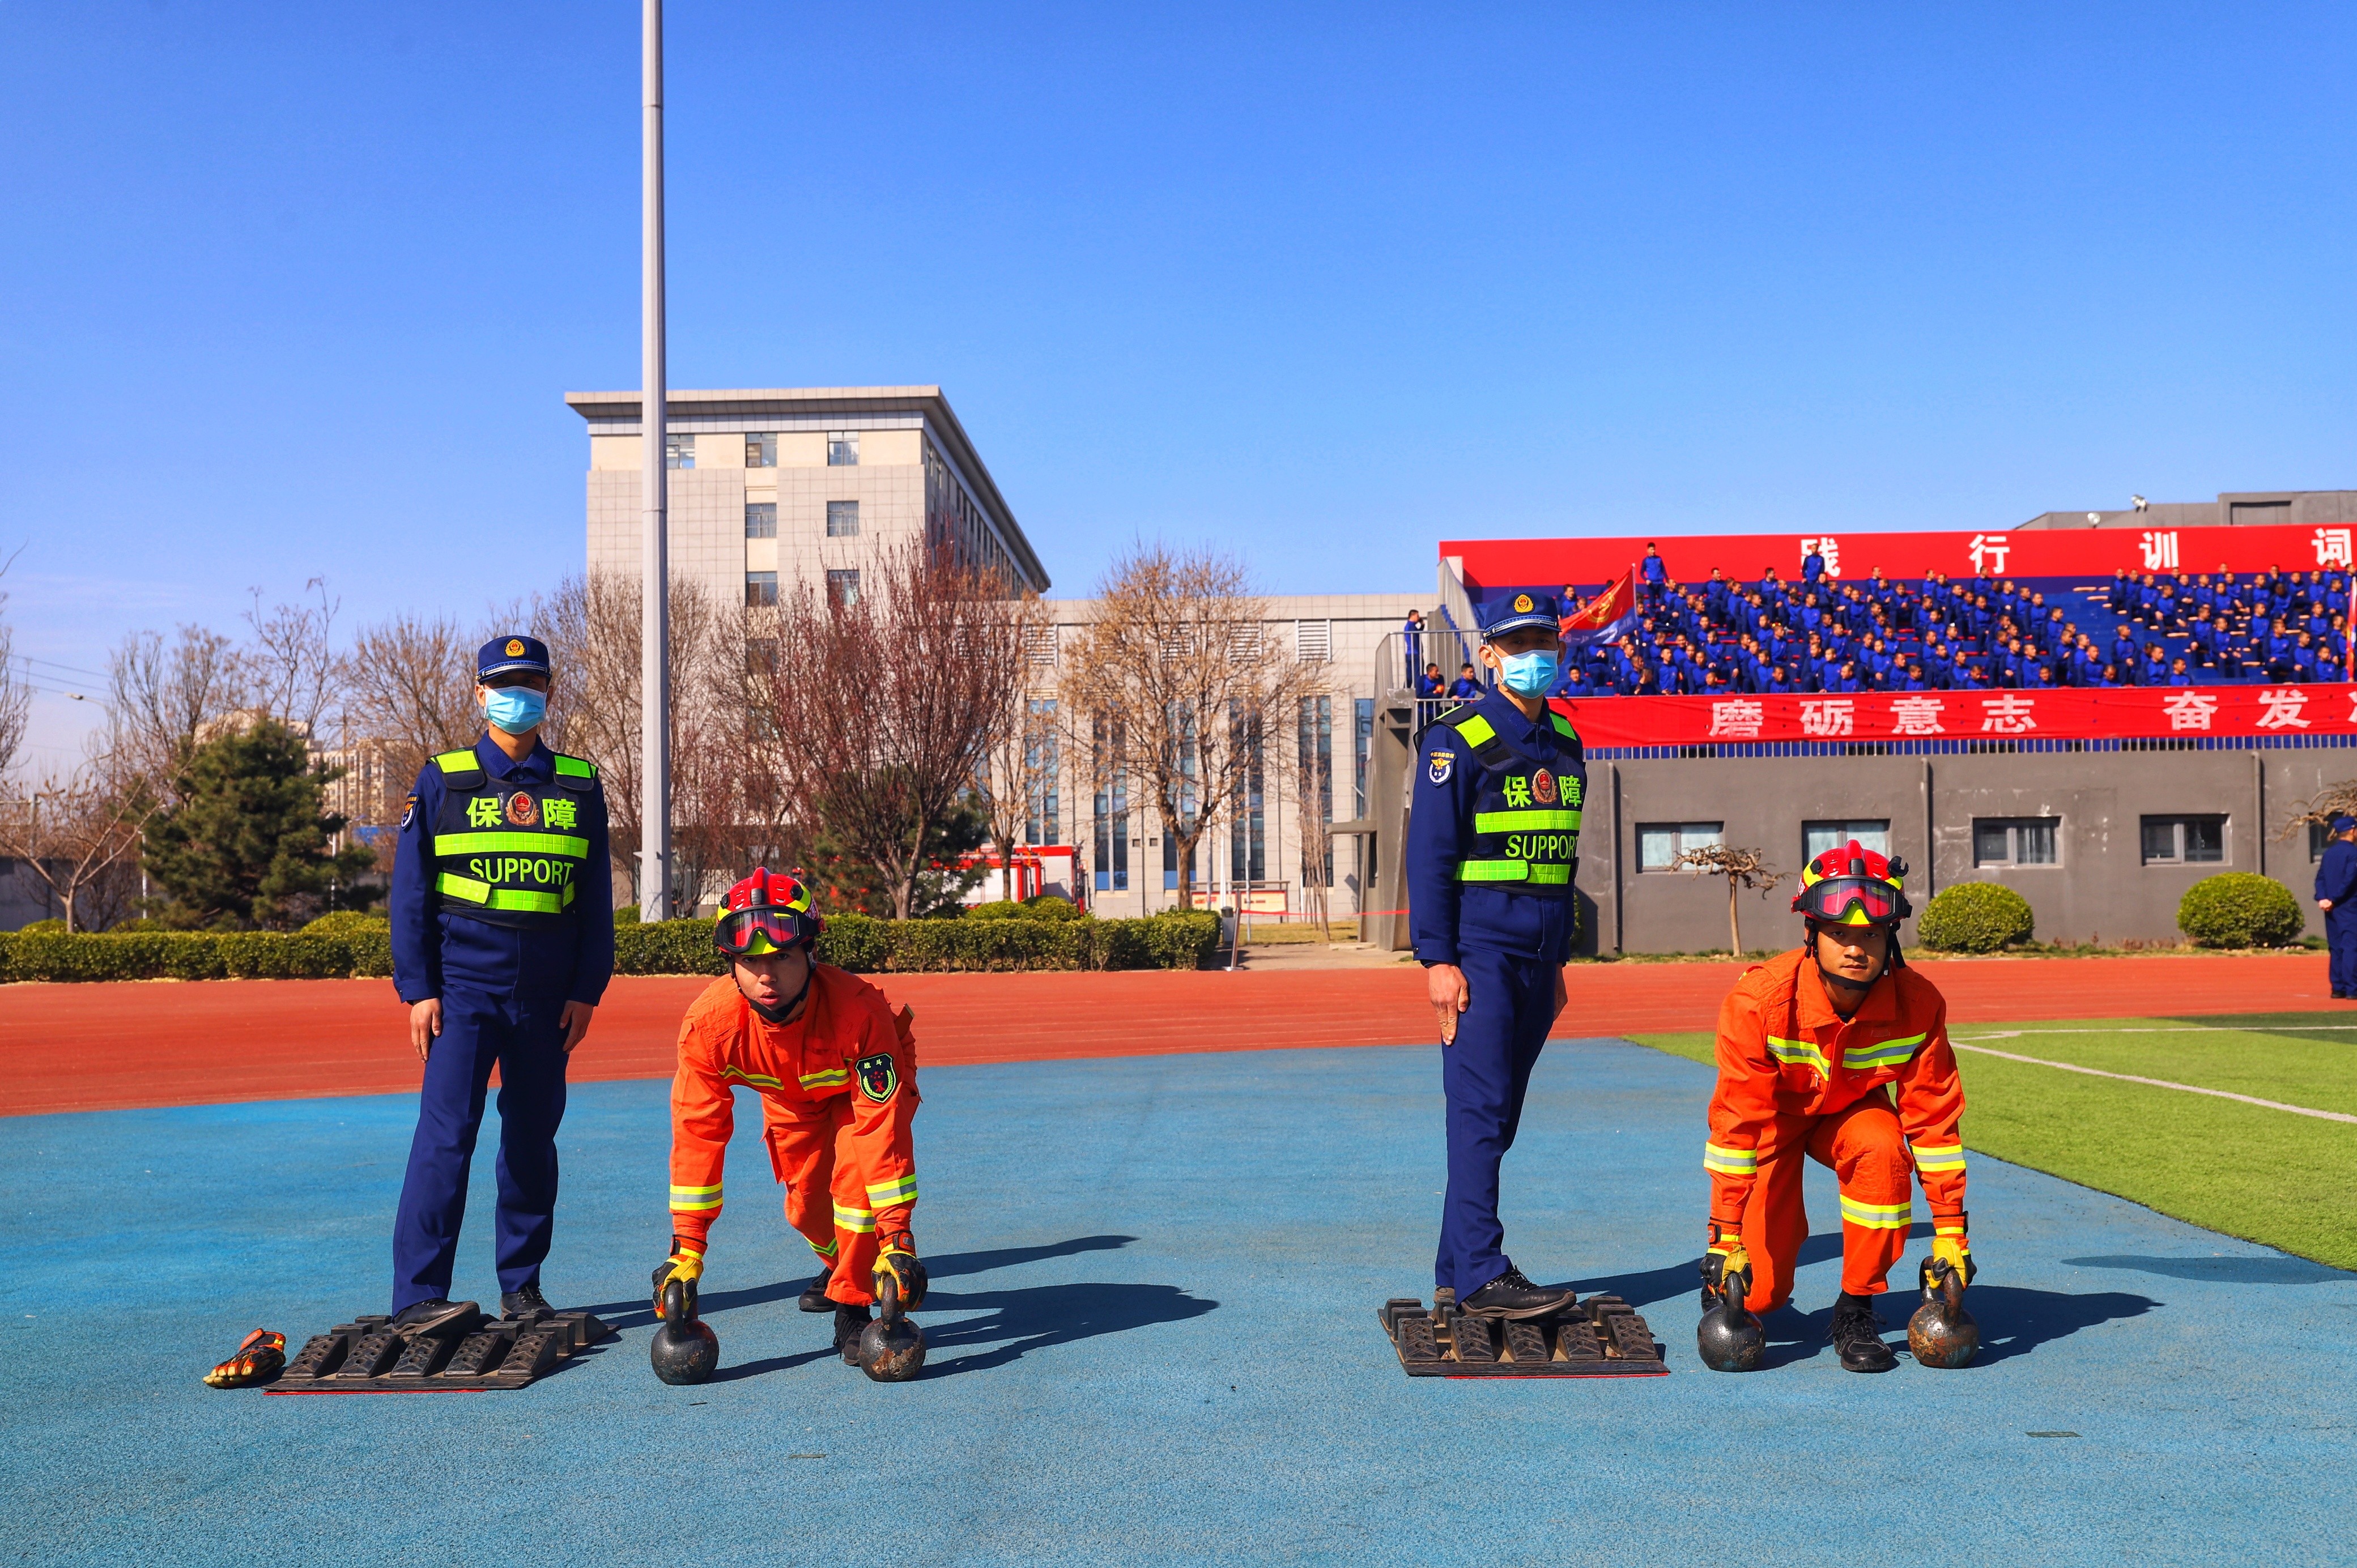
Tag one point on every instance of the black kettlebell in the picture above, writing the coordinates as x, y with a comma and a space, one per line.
1730, 1338
685, 1350
1942, 1333
892, 1348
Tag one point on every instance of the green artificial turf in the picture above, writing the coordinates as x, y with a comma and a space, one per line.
2267, 1176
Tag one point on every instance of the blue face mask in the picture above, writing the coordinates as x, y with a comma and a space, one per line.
1528, 674
516, 709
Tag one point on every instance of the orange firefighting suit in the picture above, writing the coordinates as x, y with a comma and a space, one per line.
1873, 1098
838, 1089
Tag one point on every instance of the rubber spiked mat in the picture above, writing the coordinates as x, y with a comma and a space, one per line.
1599, 1337
369, 1356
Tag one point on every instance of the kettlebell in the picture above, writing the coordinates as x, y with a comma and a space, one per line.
685, 1351
892, 1348
1942, 1333
1729, 1337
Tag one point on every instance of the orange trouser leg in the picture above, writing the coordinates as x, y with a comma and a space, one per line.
1868, 1155
1774, 1222
810, 1149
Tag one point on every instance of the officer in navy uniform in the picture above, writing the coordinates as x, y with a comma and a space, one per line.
2336, 895
1493, 843
503, 944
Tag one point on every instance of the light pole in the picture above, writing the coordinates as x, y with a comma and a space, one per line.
655, 646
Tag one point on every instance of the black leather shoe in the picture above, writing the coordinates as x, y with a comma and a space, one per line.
1512, 1295
526, 1303
848, 1323
430, 1317
1858, 1334
815, 1298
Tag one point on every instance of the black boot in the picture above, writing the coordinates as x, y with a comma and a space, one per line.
429, 1318
1858, 1336
1512, 1295
815, 1298
848, 1323
526, 1302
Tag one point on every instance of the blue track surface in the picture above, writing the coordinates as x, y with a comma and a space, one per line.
1152, 1338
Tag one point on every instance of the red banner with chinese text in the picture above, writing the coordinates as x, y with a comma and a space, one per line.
2069, 714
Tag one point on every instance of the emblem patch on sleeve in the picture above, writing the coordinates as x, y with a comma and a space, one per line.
408, 810
1442, 764
878, 1077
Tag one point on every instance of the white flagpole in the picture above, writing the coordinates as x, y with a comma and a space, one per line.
655, 651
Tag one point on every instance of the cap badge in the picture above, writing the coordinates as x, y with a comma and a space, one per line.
1522, 604
515, 647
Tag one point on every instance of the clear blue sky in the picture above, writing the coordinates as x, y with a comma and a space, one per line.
295, 291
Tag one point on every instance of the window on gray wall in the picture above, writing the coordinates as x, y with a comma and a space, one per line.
1659, 845
1872, 834
760, 519
2184, 841
842, 519
2016, 841
762, 450
843, 448
2318, 835
761, 588
679, 451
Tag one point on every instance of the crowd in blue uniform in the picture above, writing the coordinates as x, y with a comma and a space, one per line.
502, 943
1820, 633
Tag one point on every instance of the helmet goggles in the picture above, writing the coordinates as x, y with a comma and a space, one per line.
749, 933
1851, 901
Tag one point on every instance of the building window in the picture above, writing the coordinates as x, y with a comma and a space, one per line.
843, 448
1314, 738
2015, 841
1110, 837
761, 588
1362, 738
842, 520
679, 451
2184, 841
1818, 837
1044, 821
1313, 641
762, 450
842, 587
760, 519
1248, 818
2318, 835
1659, 845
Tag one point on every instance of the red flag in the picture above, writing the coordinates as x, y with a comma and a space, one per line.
1607, 617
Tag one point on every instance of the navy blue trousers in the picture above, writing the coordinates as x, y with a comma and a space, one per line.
2340, 935
519, 1032
1484, 1075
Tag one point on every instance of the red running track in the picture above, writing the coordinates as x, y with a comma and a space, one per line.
109, 1047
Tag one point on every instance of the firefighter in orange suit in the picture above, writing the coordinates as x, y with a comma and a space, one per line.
837, 1076
1837, 1052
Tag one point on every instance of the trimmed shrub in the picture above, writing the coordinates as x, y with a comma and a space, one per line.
667, 947
1177, 939
2240, 909
1975, 917
628, 914
43, 928
861, 943
1002, 910
1052, 907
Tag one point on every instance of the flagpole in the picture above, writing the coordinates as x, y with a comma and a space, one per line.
654, 625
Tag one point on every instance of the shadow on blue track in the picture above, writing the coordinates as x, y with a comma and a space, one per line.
2251, 1271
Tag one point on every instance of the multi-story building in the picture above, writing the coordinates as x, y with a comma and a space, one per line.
770, 489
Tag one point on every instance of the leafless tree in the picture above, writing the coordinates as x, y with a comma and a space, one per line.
2332, 800
290, 670
411, 691
1312, 783
72, 831
15, 691
1020, 758
882, 713
162, 700
1173, 661
1742, 868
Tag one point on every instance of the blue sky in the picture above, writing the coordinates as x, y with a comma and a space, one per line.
289, 292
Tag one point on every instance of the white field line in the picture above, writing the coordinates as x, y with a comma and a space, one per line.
2180, 1030
2131, 1078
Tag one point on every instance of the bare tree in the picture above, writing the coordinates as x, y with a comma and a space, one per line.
15, 691
1173, 662
2332, 800
882, 709
161, 701
291, 671
1019, 759
411, 689
1313, 794
1742, 868
72, 830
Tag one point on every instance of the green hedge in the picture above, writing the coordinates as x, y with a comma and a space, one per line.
1975, 917
339, 945
2240, 909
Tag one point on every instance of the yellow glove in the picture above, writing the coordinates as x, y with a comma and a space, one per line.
1727, 1256
900, 1278
1956, 1251
686, 1268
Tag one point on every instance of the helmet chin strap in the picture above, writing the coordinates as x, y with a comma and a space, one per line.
783, 1010
1890, 961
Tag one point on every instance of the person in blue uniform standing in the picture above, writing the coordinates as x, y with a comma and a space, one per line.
1492, 844
503, 944
2336, 895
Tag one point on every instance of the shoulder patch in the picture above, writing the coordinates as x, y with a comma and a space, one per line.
408, 810
1440, 763
878, 1077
